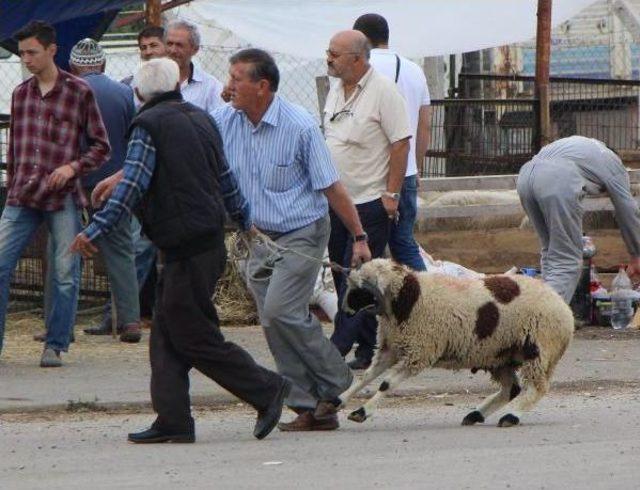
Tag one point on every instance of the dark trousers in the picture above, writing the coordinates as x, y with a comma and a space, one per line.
186, 334
361, 327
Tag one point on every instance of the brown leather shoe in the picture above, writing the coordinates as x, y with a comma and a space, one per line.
307, 422
325, 409
131, 333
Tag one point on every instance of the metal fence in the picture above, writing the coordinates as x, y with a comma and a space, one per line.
497, 131
297, 75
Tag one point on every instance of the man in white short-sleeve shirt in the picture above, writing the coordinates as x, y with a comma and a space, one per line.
367, 132
197, 86
412, 84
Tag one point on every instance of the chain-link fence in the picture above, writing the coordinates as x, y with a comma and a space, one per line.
297, 85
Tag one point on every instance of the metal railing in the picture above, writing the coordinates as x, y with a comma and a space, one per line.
492, 127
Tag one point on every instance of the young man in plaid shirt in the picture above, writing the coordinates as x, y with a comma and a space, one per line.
53, 113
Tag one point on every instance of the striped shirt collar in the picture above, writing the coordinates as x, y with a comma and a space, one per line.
270, 117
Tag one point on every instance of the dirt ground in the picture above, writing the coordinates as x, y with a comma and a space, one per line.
495, 251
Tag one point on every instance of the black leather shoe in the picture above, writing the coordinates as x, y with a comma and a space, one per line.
152, 435
270, 416
99, 330
358, 364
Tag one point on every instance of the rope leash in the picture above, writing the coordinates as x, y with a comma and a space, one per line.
241, 250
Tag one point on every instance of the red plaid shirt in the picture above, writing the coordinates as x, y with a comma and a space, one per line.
63, 127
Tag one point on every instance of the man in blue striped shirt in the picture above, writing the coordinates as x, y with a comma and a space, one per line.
176, 169
283, 167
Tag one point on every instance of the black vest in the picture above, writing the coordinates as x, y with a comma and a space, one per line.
182, 212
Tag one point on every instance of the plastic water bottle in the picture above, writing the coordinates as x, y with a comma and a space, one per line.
588, 247
621, 300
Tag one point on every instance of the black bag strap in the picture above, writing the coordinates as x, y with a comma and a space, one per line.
397, 67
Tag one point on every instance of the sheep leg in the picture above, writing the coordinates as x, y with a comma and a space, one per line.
509, 389
536, 386
384, 358
392, 379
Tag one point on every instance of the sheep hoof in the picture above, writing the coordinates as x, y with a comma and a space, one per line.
508, 420
473, 418
358, 415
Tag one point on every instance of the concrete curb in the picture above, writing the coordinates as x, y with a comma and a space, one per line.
223, 400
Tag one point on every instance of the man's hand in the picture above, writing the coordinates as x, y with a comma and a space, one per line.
59, 177
633, 269
103, 190
361, 253
82, 245
390, 206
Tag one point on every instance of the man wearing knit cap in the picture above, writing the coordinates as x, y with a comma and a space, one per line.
115, 100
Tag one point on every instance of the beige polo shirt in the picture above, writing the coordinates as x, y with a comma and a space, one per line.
360, 131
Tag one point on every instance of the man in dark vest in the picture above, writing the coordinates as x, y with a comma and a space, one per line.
176, 170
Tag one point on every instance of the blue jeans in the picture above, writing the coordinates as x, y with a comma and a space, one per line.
402, 244
361, 327
17, 226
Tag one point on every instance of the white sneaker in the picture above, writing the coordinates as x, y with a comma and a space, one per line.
50, 358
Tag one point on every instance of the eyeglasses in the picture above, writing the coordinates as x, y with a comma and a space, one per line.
344, 112
333, 54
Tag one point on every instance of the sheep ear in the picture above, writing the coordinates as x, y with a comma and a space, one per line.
406, 298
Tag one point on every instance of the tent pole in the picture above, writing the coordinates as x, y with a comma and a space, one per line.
153, 12
543, 56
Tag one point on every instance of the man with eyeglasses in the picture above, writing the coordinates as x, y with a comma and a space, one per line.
367, 131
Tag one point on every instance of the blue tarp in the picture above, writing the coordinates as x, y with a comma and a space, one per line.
73, 20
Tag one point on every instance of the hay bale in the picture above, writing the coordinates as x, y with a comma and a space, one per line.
233, 300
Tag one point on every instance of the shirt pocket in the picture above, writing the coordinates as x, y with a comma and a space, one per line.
280, 177
360, 130
59, 130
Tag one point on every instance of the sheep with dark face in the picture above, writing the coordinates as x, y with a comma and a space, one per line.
515, 327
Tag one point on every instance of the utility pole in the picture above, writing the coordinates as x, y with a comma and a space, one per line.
153, 12
543, 56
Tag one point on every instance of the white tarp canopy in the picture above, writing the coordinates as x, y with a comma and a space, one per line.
418, 27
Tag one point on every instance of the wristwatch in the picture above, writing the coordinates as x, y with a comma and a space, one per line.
393, 195
361, 238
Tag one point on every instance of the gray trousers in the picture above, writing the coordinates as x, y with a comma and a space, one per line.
551, 193
282, 289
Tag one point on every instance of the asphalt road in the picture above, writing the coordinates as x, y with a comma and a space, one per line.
572, 440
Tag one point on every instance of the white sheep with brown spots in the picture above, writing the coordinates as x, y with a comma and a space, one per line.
515, 327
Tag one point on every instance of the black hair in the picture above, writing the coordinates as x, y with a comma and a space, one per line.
151, 31
375, 27
42, 31
264, 66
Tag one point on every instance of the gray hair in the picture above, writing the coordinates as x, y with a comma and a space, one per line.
192, 29
156, 77
362, 46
